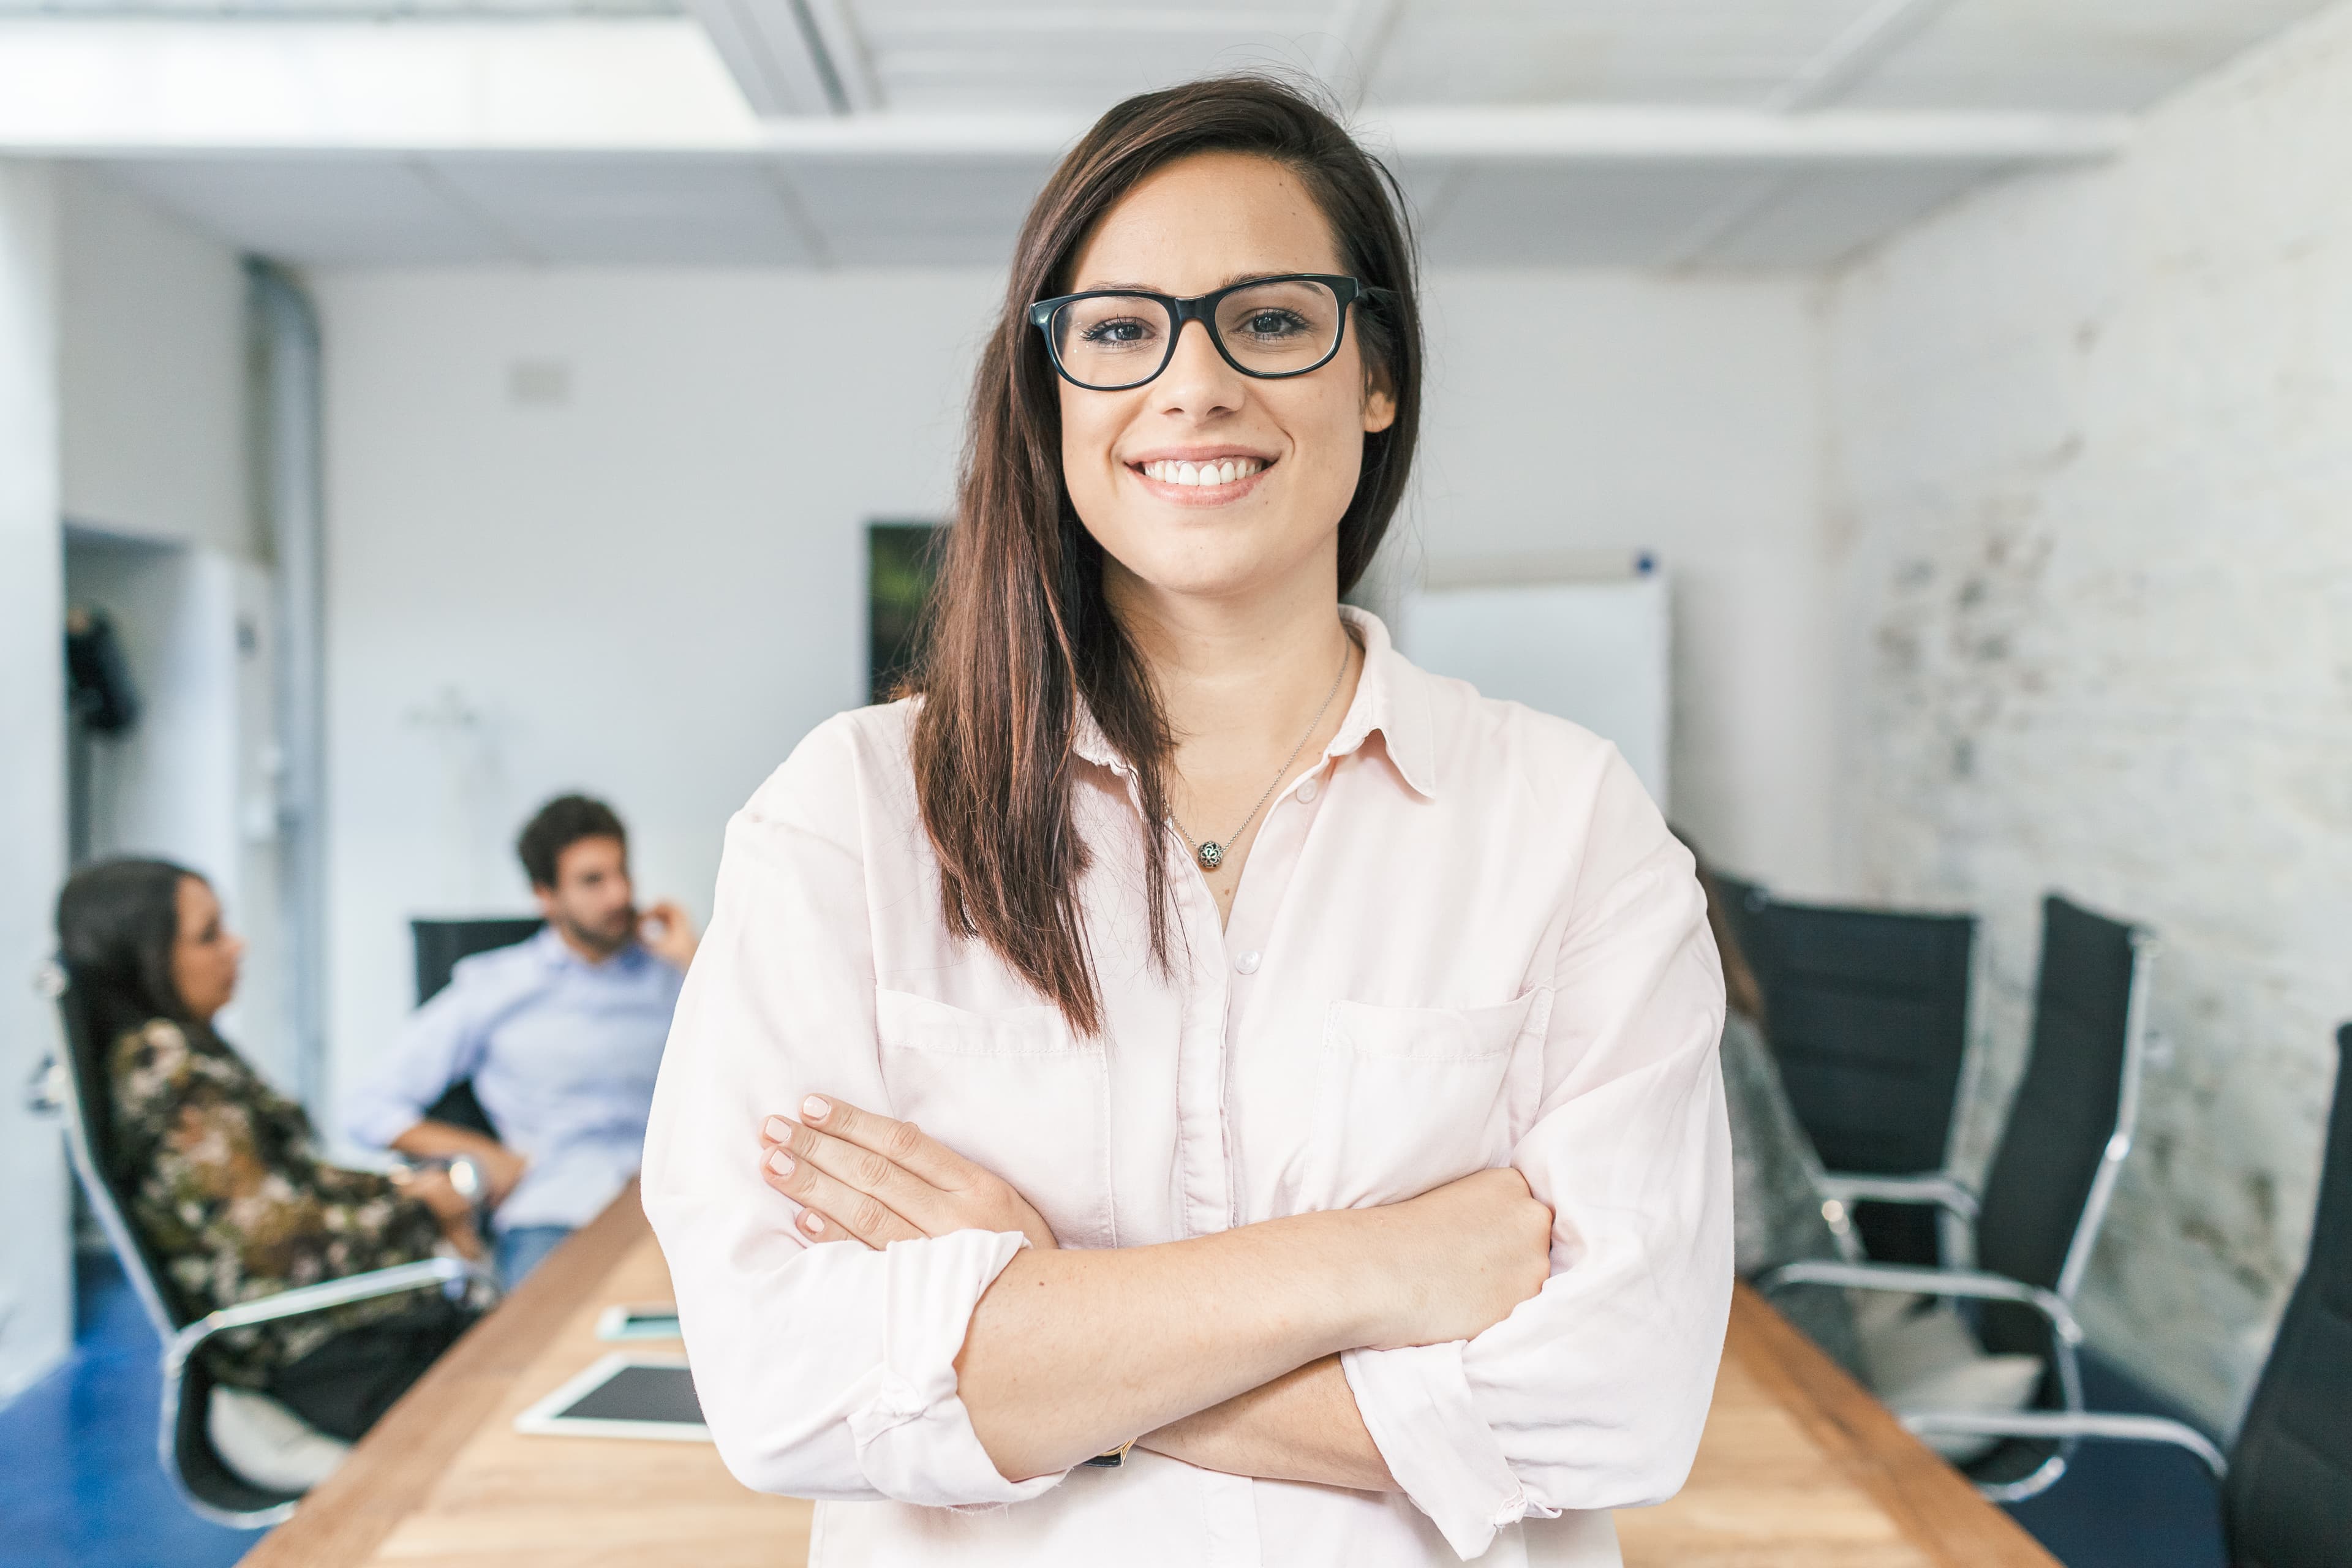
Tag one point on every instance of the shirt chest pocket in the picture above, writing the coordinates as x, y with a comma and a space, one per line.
1411, 1098
1014, 1090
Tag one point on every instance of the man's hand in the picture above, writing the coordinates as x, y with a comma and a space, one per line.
667, 934
434, 1189
867, 1179
501, 1167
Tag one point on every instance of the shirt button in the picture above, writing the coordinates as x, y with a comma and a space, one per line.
1306, 791
1247, 962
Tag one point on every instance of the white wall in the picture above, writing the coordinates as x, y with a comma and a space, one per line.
652, 589
1572, 411
190, 780
151, 371
2091, 494
649, 590
36, 1302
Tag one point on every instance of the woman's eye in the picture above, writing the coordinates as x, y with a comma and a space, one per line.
1271, 323
1114, 332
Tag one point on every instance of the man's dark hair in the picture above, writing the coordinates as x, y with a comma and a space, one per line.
562, 822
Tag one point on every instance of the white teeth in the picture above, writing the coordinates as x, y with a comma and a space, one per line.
1225, 471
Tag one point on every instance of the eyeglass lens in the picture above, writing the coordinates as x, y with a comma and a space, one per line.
1277, 328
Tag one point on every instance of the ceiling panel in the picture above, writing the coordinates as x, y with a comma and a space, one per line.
318, 210
360, 10
1084, 54
919, 212
1493, 202
2086, 55
1521, 216
727, 211
1823, 216
1715, 52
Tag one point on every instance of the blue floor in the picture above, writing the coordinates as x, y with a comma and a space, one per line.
81, 1486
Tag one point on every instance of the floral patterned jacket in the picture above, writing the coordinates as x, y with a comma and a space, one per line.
230, 1194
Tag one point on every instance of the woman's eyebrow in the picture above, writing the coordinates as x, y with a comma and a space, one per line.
1231, 280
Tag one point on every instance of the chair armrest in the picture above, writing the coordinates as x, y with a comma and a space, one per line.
2073, 1424
1853, 1187
323, 1297
1968, 1282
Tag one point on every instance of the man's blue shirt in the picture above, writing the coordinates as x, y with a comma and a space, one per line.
562, 1053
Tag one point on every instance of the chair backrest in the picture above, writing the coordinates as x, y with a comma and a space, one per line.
88, 1099
1868, 1012
2288, 1500
2070, 1123
439, 946
85, 1098
441, 943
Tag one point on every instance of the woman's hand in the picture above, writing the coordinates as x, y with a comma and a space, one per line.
865, 1178
1458, 1258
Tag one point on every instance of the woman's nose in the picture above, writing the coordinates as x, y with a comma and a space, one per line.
1197, 380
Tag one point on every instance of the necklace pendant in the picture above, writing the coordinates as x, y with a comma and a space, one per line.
1211, 855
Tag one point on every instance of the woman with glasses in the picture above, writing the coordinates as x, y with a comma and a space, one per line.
1185, 1086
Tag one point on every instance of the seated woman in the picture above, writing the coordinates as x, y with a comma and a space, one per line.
227, 1186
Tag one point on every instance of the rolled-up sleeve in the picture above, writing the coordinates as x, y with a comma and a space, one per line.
1592, 1393
825, 1371
442, 1043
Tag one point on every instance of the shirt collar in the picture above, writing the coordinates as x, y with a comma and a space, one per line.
1391, 700
556, 954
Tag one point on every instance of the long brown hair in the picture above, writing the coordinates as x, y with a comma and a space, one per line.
118, 921
1020, 638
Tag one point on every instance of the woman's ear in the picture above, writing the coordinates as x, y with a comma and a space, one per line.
1380, 399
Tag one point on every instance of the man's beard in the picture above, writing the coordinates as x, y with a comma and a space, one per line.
608, 940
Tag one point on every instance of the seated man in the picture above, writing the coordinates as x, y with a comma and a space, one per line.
561, 1035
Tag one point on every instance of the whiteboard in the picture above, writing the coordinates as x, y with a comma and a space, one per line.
1593, 652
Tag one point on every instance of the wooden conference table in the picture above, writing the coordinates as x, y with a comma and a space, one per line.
1799, 1466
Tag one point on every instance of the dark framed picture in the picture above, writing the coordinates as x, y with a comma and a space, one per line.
901, 561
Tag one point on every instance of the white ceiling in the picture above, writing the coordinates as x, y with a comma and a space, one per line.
911, 93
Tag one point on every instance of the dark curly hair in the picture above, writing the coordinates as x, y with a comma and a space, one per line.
560, 824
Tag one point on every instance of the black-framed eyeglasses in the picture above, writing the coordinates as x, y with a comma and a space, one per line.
1109, 340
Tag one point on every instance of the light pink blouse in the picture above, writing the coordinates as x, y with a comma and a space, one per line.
1463, 939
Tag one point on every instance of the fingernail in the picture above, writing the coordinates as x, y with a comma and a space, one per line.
814, 1108
781, 1162
816, 1227
778, 1130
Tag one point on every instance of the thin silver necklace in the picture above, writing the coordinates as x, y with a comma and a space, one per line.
1211, 853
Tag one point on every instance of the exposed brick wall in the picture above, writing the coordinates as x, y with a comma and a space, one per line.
2089, 499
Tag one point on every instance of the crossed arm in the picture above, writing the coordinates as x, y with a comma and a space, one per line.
1220, 1350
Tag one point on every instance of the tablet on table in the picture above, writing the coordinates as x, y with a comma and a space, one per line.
627, 1395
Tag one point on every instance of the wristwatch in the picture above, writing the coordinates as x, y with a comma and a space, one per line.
465, 1177
1115, 1459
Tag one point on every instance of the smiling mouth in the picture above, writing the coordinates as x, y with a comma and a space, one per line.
1212, 474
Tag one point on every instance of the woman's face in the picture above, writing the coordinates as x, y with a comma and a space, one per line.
1194, 227
204, 953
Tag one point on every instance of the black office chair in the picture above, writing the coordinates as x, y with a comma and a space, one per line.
1867, 1011
2070, 1129
2286, 1489
73, 1084
439, 945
